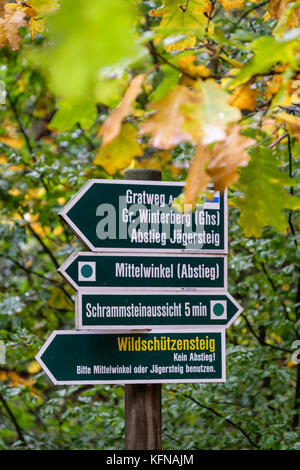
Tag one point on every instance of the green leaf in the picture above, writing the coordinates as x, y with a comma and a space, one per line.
84, 38
267, 52
118, 154
264, 197
168, 82
70, 113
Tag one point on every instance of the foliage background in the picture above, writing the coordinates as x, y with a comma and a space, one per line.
49, 147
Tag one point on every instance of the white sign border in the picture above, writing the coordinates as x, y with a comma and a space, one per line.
113, 382
157, 292
63, 214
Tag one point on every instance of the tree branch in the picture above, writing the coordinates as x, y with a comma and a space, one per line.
263, 342
13, 419
20, 124
220, 415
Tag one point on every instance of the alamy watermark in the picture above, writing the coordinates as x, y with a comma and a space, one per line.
155, 221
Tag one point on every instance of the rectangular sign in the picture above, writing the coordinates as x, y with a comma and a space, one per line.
73, 357
109, 215
134, 310
102, 270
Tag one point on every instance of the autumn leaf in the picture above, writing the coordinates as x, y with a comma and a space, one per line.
244, 97
112, 126
187, 65
36, 25
118, 153
231, 4
14, 19
227, 156
165, 126
286, 12
184, 18
218, 163
197, 178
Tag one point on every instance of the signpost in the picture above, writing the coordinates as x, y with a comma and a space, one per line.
152, 304
72, 357
164, 271
132, 310
111, 215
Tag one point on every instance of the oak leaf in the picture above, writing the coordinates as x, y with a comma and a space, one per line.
208, 113
118, 153
264, 195
112, 126
165, 126
218, 164
197, 178
183, 18
227, 157
14, 19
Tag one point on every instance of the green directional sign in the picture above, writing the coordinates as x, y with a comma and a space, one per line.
79, 357
109, 215
101, 270
136, 310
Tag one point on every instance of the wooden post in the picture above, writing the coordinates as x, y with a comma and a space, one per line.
143, 401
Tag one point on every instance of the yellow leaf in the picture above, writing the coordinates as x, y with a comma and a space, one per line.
118, 153
14, 192
34, 367
291, 364
165, 126
3, 159
186, 64
292, 122
244, 97
231, 4
112, 126
61, 200
36, 25
59, 230
14, 142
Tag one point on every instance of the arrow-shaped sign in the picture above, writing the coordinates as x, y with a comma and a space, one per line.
109, 215
73, 357
103, 270
97, 310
